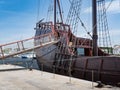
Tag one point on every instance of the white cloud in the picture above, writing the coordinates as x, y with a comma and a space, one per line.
88, 10
115, 32
114, 7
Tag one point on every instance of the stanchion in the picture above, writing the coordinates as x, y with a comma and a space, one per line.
30, 64
92, 79
69, 75
27, 66
41, 69
54, 72
3, 61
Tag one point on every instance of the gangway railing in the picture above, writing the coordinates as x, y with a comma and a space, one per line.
26, 45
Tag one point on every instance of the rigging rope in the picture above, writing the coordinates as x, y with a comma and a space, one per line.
50, 11
62, 10
82, 24
38, 10
104, 36
63, 51
73, 19
109, 5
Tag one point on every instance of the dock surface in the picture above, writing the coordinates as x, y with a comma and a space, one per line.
24, 79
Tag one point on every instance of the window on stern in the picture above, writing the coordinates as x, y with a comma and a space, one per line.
80, 51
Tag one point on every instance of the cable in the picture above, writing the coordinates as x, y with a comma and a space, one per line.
50, 11
38, 10
82, 24
109, 5
104, 40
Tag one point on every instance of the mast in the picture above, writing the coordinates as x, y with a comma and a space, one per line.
94, 27
54, 14
58, 2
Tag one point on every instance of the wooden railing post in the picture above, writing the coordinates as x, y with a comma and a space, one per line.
50, 37
18, 46
2, 51
22, 45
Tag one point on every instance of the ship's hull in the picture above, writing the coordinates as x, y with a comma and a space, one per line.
52, 58
45, 57
104, 69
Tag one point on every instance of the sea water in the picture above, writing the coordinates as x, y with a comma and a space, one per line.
24, 62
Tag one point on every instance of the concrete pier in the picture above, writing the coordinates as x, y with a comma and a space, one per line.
24, 79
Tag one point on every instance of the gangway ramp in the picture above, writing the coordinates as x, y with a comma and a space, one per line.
26, 45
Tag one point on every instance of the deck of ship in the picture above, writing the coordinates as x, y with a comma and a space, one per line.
17, 78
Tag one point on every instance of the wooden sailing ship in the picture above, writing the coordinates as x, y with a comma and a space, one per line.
64, 57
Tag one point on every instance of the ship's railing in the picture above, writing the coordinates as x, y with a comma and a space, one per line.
26, 45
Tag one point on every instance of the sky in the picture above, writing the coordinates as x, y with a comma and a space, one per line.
19, 17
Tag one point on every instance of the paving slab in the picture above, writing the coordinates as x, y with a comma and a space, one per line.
39, 80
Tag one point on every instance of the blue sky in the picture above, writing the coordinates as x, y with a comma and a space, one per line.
18, 18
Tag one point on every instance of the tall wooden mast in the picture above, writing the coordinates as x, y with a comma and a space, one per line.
54, 14
94, 27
